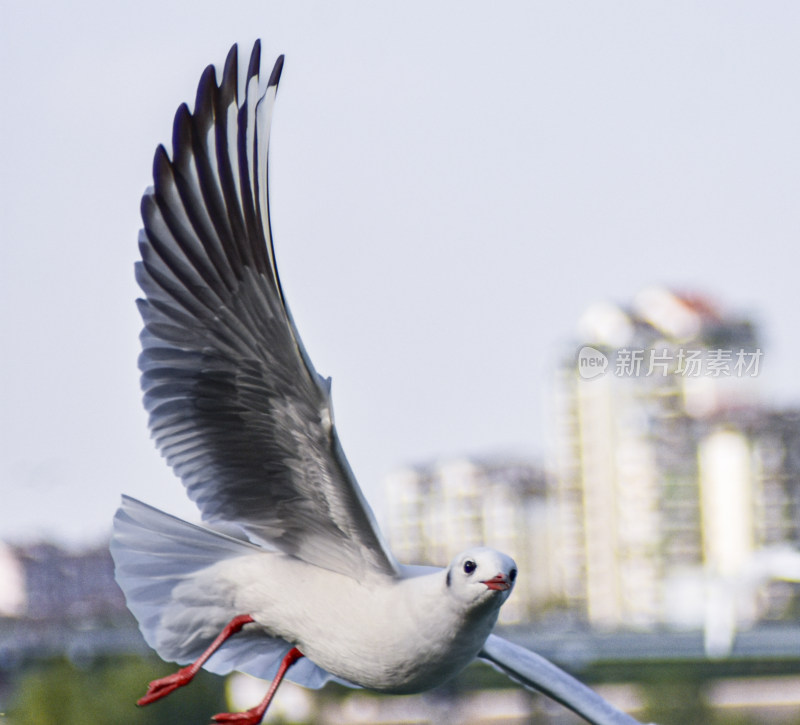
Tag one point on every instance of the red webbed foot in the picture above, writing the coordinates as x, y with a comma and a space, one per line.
253, 716
165, 685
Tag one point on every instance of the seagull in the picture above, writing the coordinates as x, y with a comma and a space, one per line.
289, 576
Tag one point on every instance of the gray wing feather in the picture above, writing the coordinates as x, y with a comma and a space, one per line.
536, 673
235, 404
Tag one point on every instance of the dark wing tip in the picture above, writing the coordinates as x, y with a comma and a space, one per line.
161, 166
181, 133
204, 99
233, 56
228, 84
255, 61
276, 72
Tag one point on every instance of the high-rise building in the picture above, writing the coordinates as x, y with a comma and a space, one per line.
666, 476
437, 511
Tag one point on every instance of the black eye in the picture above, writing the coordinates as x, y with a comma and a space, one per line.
470, 566
512, 574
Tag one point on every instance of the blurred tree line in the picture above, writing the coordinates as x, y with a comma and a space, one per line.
104, 692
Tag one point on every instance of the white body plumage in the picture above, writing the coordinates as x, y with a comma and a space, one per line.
391, 634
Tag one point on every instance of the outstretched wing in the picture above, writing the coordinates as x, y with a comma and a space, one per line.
235, 405
537, 673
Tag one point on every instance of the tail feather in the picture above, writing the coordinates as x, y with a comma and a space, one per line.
154, 553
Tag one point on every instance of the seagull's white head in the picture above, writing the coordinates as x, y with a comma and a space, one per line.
481, 575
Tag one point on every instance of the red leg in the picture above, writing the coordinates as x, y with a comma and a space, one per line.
163, 686
255, 715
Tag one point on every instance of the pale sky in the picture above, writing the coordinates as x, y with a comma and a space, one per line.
452, 184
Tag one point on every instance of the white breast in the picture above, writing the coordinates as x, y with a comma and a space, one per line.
391, 635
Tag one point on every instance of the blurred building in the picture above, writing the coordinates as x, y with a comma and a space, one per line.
668, 473
437, 511
13, 594
45, 582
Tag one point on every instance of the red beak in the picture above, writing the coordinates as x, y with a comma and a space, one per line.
500, 582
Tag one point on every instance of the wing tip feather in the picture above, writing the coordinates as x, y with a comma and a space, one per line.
255, 60
277, 69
